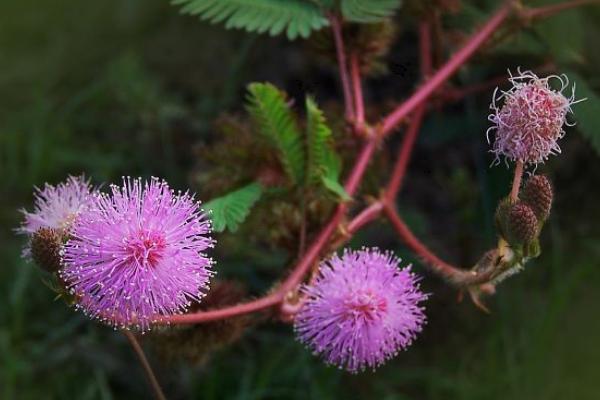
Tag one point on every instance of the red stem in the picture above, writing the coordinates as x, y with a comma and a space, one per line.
547, 11
406, 149
336, 27
158, 393
300, 269
436, 264
389, 123
442, 75
359, 103
315, 249
516, 184
364, 217
227, 312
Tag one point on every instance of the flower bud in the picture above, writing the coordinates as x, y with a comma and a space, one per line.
537, 194
522, 224
45, 248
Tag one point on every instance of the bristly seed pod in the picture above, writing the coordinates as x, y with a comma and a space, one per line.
538, 194
522, 224
45, 248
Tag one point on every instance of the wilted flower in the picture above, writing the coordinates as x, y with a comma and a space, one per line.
361, 310
137, 254
57, 206
530, 122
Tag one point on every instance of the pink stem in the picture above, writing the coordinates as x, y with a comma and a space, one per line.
158, 393
227, 312
406, 149
547, 11
300, 269
514, 192
359, 103
364, 217
442, 75
336, 27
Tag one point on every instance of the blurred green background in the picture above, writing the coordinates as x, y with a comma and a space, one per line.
131, 87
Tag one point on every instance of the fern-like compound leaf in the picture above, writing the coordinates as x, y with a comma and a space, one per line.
272, 116
293, 17
231, 210
368, 11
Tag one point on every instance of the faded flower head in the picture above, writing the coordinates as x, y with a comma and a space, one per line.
361, 310
138, 254
56, 207
530, 122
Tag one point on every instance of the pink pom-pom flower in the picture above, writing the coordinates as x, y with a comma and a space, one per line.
56, 207
530, 121
138, 254
361, 310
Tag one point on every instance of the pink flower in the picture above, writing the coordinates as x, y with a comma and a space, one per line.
530, 122
56, 207
138, 254
361, 310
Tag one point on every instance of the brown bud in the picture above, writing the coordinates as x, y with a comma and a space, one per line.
538, 194
522, 224
45, 248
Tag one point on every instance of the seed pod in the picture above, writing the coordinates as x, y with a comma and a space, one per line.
538, 194
522, 224
45, 248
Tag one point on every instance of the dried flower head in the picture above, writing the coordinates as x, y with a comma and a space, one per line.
138, 254
361, 310
56, 207
530, 122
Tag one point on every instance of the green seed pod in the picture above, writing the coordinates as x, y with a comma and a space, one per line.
538, 194
45, 249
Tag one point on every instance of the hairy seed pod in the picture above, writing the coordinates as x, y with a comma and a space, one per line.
538, 194
522, 224
45, 248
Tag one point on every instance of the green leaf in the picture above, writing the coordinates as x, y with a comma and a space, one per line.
231, 210
331, 175
368, 11
318, 137
587, 113
294, 17
334, 186
268, 107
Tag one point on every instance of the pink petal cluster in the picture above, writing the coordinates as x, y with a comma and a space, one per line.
57, 206
361, 310
138, 254
530, 122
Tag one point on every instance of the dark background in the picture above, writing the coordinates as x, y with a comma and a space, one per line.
130, 87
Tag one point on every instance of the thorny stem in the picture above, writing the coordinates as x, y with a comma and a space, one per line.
453, 274
336, 27
158, 393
